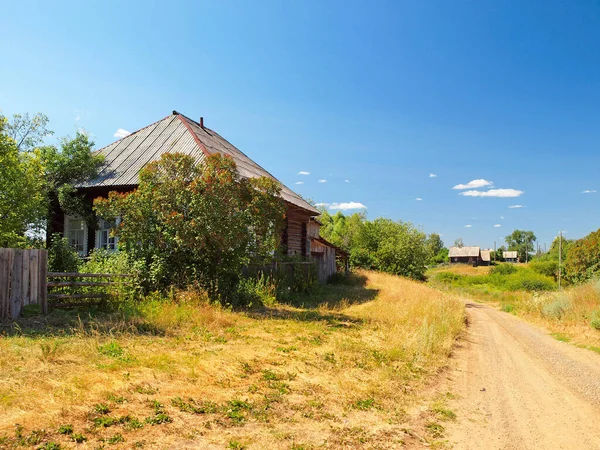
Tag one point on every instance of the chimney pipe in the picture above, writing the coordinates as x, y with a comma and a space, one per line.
201, 122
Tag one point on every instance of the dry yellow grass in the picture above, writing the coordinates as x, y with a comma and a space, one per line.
462, 269
339, 375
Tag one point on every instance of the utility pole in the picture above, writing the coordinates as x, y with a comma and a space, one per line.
559, 257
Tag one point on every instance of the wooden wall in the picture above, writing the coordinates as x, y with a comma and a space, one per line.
22, 281
324, 256
296, 233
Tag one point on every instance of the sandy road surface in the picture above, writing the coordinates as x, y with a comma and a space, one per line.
519, 388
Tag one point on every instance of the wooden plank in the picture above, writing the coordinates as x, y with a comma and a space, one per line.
77, 296
43, 279
34, 277
52, 284
86, 275
4, 283
16, 280
25, 277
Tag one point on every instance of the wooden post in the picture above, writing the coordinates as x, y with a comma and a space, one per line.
16, 282
4, 283
43, 280
25, 277
34, 276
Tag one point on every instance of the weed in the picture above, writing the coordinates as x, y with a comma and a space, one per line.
145, 389
111, 349
364, 404
101, 408
49, 350
117, 438
50, 446
329, 357
435, 429
291, 348
116, 399
65, 429
79, 438
561, 337
557, 308
269, 375
507, 307
444, 413
235, 410
595, 319
104, 421
160, 416
236, 445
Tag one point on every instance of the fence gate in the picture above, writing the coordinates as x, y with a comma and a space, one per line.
23, 278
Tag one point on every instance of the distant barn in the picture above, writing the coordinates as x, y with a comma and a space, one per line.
465, 255
486, 257
511, 256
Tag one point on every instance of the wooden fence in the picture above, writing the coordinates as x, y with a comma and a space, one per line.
22, 281
65, 287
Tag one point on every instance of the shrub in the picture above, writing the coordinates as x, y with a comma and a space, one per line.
197, 224
504, 269
595, 319
61, 256
557, 308
547, 268
583, 258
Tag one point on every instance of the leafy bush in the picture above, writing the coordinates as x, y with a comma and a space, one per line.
583, 258
548, 268
61, 256
557, 308
595, 319
197, 224
504, 269
120, 263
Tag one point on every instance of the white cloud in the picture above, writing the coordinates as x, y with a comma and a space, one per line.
589, 191
303, 173
502, 217
468, 226
516, 206
318, 205
493, 193
432, 175
121, 133
418, 199
322, 181
78, 117
347, 206
474, 184
347, 181
497, 225
299, 182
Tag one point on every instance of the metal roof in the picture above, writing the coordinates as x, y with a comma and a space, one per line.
463, 252
486, 255
510, 255
176, 133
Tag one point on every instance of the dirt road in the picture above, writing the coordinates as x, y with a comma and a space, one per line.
519, 388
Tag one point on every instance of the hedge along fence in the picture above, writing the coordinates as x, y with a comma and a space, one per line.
23, 278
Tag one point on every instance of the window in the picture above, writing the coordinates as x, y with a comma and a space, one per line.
76, 233
103, 238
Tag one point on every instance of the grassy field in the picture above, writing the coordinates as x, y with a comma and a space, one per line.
342, 369
572, 314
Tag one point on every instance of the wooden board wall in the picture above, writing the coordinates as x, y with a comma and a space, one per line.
22, 281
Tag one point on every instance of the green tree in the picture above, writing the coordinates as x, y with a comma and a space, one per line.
21, 194
583, 258
63, 168
28, 132
197, 223
435, 247
521, 241
459, 243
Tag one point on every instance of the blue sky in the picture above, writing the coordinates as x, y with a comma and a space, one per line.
381, 94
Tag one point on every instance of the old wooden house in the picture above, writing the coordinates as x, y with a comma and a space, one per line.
465, 255
511, 256
125, 158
